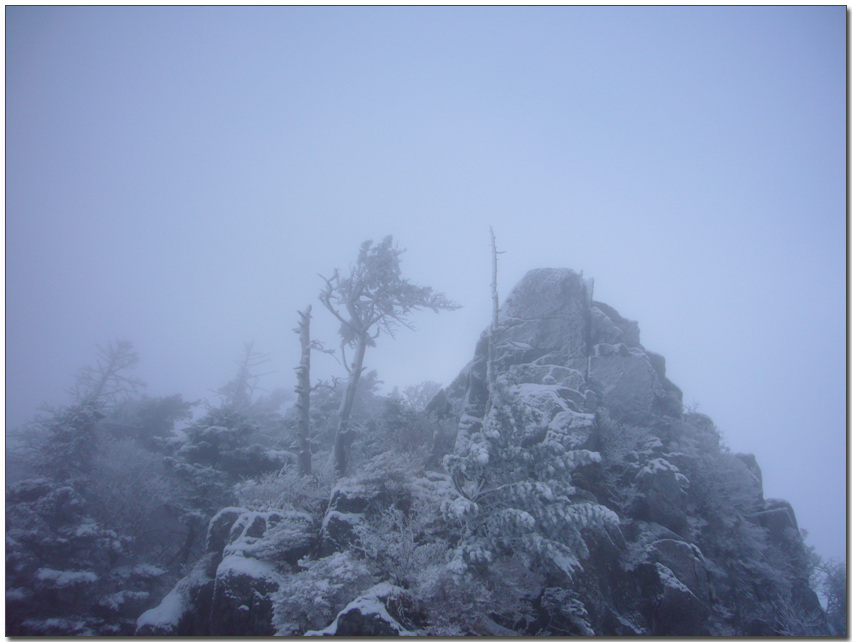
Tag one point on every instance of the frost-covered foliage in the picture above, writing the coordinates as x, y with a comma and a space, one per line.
312, 597
131, 493
418, 396
516, 498
284, 490
398, 546
231, 441
67, 573
76, 534
831, 584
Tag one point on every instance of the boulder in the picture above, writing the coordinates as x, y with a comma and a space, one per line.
546, 374
377, 612
352, 500
662, 497
755, 474
673, 609
672, 404
230, 591
574, 430
627, 381
537, 405
547, 312
273, 536
608, 326
219, 530
777, 517
685, 561
242, 597
338, 531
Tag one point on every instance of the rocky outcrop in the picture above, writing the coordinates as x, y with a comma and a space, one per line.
552, 333
247, 556
668, 532
575, 373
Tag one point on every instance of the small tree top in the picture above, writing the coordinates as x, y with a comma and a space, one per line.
374, 297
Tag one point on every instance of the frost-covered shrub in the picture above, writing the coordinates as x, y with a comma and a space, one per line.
394, 542
492, 601
403, 426
566, 614
830, 583
311, 598
285, 490
59, 560
131, 494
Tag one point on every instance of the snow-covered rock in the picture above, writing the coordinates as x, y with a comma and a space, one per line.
628, 383
185, 609
375, 613
242, 596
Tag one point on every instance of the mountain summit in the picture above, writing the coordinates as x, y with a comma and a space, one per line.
565, 491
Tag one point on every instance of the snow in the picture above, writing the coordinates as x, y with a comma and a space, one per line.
65, 625
458, 508
64, 579
657, 465
517, 517
479, 452
352, 518
87, 529
16, 594
369, 603
147, 570
239, 565
116, 600
668, 578
281, 531
167, 614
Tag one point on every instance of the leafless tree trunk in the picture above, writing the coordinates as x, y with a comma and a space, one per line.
495, 302
303, 390
345, 435
495, 319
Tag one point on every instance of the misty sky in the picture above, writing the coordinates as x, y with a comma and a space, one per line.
178, 177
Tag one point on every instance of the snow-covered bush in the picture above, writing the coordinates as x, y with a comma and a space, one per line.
394, 542
311, 598
285, 490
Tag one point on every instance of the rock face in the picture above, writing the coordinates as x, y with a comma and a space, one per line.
577, 373
552, 333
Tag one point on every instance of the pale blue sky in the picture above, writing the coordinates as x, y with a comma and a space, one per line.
178, 177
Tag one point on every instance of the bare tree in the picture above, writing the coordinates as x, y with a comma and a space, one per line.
494, 301
495, 311
237, 394
303, 390
372, 299
107, 381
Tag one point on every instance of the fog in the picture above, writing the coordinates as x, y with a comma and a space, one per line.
179, 177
